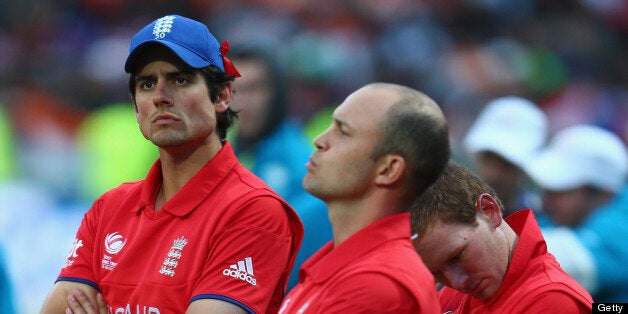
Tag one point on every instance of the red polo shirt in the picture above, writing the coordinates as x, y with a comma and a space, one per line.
534, 282
225, 235
376, 270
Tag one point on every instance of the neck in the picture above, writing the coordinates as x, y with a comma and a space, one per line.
179, 167
347, 218
511, 240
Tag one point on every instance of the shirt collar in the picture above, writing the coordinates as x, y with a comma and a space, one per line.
529, 245
195, 190
329, 260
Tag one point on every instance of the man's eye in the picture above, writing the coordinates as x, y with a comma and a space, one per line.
456, 257
147, 84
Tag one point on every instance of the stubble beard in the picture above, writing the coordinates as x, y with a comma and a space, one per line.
312, 186
168, 137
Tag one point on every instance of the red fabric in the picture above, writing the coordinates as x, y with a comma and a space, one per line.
230, 69
376, 270
223, 219
534, 282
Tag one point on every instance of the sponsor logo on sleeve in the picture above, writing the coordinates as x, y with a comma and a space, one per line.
242, 270
78, 243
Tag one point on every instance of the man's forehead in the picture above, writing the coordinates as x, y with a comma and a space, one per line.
365, 107
357, 122
374, 95
440, 239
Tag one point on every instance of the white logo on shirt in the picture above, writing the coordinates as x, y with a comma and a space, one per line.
77, 244
73, 252
172, 259
242, 270
137, 309
114, 242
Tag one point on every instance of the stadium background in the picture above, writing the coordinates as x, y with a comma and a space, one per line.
67, 132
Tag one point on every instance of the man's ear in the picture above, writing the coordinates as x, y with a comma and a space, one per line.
488, 207
224, 98
390, 169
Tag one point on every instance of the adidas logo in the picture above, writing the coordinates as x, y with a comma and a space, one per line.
243, 270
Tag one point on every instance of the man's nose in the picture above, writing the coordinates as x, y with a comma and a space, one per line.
457, 278
162, 95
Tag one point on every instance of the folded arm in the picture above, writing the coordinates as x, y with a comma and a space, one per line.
57, 300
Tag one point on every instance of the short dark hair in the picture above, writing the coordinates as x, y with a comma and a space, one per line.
451, 199
413, 129
215, 80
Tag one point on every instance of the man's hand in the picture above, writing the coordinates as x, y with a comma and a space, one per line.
79, 303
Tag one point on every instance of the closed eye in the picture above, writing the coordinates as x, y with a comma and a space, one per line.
454, 259
340, 127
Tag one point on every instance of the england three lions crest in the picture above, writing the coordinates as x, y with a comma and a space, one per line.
171, 261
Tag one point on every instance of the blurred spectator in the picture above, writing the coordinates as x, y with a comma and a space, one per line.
45, 128
6, 287
35, 227
503, 138
7, 168
35, 231
274, 146
582, 173
112, 150
7, 152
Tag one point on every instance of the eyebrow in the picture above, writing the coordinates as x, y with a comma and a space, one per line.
169, 74
140, 78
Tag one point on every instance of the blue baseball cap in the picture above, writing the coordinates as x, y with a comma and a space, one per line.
187, 38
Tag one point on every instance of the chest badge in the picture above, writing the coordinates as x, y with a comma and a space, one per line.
114, 242
172, 258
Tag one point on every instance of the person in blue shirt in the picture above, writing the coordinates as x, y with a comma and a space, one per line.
274, 146
6, 287
583, 176
604, 236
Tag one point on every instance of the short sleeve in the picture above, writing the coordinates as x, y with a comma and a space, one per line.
79, 266
249, 257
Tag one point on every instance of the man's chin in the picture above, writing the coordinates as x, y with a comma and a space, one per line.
311, 187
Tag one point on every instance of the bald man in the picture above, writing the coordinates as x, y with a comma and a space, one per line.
386, 142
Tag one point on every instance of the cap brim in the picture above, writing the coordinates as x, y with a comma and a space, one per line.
186, 55
551, 171
503, 145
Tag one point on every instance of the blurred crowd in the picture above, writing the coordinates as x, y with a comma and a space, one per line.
68, 133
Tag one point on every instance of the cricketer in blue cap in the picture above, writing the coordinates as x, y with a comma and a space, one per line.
193, 44
200, 233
